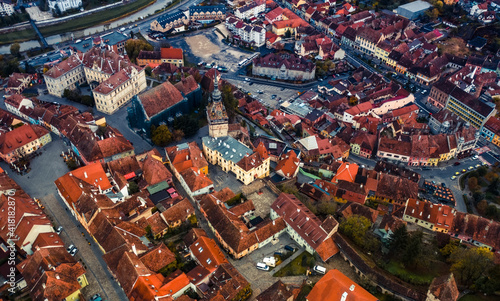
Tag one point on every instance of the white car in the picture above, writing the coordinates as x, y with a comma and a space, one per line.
475, 157
247, 79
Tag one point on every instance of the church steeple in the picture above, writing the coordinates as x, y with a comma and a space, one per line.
218, 122
216, 95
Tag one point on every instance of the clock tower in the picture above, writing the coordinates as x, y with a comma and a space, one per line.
218, 123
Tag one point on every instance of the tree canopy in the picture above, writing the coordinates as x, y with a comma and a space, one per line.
134, 47
161, 135
471, 264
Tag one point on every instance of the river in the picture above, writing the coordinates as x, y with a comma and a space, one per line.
51, 40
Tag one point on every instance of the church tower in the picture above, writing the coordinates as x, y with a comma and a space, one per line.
218, 123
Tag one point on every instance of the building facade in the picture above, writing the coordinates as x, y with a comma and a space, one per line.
284, 66
170, 21
207, 14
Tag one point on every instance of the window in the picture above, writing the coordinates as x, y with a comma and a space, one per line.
209, 261
200, 249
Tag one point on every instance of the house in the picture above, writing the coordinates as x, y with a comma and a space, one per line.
225, 283
288, 166
165, 55
443, 288
22, 141
316, 148
232, 155
278, 292
252, 35
53, 274
250, 10
363, 144
284, 67
163, 103
232, 233
337, 286
61, 6
6, 8
396, 189
476, 230
170, 21
469, 108
17, 82
207, 14
178, 213
491, 130
304, 227
207, 253
435, 217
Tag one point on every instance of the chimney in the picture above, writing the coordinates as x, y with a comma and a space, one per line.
134, 249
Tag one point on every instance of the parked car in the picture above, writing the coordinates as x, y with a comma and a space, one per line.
471, 167
247, 79
96, 297
456, 163
262, 266
457, 173
464, 170
443, 185
453, 177
73, 252
475, 157
319, 269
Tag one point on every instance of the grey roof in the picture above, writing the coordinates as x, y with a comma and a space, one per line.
208, 8
114, 38
169, 18
229, 148
416, 6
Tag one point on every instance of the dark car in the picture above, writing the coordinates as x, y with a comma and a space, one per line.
456, 163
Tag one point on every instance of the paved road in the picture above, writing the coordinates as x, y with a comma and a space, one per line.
39, 183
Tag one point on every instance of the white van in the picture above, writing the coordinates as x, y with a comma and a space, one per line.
319, 269
262, 266
270, 261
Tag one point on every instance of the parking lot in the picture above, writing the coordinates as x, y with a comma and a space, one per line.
261, 280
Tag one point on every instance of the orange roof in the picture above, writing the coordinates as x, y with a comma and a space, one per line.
93, 174
174, 285
337, 286
327, 249
208, 253
20, 136
261, 149
289, 164
171, 53
347, 172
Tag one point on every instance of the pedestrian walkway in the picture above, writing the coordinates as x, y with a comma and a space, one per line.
287, 261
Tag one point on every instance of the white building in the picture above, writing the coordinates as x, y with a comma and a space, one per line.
64, 5
245, 32
251, 10
6, 7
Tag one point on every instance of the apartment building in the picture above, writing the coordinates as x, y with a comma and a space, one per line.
22, 141
250, 10
253, 35
284, 66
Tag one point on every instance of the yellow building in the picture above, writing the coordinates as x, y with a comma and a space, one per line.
468, 108
232, 155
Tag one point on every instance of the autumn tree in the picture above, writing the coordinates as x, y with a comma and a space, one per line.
14, 49
161, 135
469, 265
355, 227
473, 184
134, 47
177, 135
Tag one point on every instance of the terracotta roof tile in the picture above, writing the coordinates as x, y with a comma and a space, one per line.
160, 98
337, 286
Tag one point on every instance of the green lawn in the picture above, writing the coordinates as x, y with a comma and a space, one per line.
478, 297
18, 36
400, 271
298, 266
100, 17
105, 16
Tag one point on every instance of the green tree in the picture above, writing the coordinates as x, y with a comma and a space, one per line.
288, 34
132, 187
134, 47
327, 207
148, 70
188, 124
161, 135
470, 264
414, 248
355, 227
14, 49
398, 241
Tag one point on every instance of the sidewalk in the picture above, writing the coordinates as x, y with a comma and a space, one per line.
287, 261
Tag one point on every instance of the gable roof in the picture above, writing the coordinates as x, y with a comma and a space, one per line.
160, 98
337, 286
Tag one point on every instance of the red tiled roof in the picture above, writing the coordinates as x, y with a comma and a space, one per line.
337, 286
20, 136
207, 253
171, 53
160, 98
